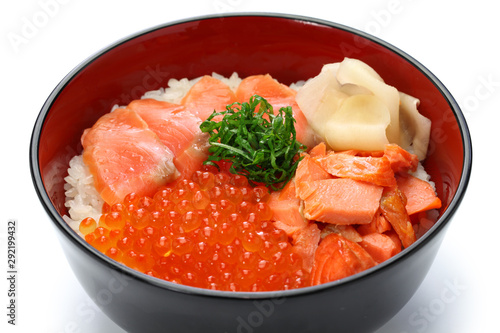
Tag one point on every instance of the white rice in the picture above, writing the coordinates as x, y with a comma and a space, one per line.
422, 174
297, 85
82, 199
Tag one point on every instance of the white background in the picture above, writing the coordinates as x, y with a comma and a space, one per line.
458, 43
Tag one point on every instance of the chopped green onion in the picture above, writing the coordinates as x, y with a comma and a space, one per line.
260, 144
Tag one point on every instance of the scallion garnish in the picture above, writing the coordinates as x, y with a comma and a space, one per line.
260, 144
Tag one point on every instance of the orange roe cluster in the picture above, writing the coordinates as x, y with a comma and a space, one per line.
211, 231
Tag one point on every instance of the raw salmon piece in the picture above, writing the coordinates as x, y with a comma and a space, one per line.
178, 129
341, 201
318, 150
191, 159
420, 195
144, 106
307, 171
286, 210
286, 216
207, 95
401, 160
337, 258
345, 230
379, 224
349, 232
278, 95
175, 126
125, 156
264, 86
392, 205
305, 243
380, 246
395, 238
376, 170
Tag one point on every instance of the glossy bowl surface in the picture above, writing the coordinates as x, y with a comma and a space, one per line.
290, 48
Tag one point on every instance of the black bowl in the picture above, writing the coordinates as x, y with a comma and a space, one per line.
290, 48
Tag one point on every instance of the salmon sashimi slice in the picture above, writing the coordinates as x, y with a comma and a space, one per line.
307, 171
286, 210
420, 195
278, 95
144, 106
206, 95
392, 205
376, 170
401, 160
337, 258
177, 129
341, 201
191, 159
175, 126
125, 156
263, 85
305, 243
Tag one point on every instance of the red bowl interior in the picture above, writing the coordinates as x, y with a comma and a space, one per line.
290, 49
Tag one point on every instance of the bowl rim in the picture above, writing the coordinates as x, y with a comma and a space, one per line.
160, 283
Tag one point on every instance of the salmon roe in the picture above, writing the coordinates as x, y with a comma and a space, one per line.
212, 231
